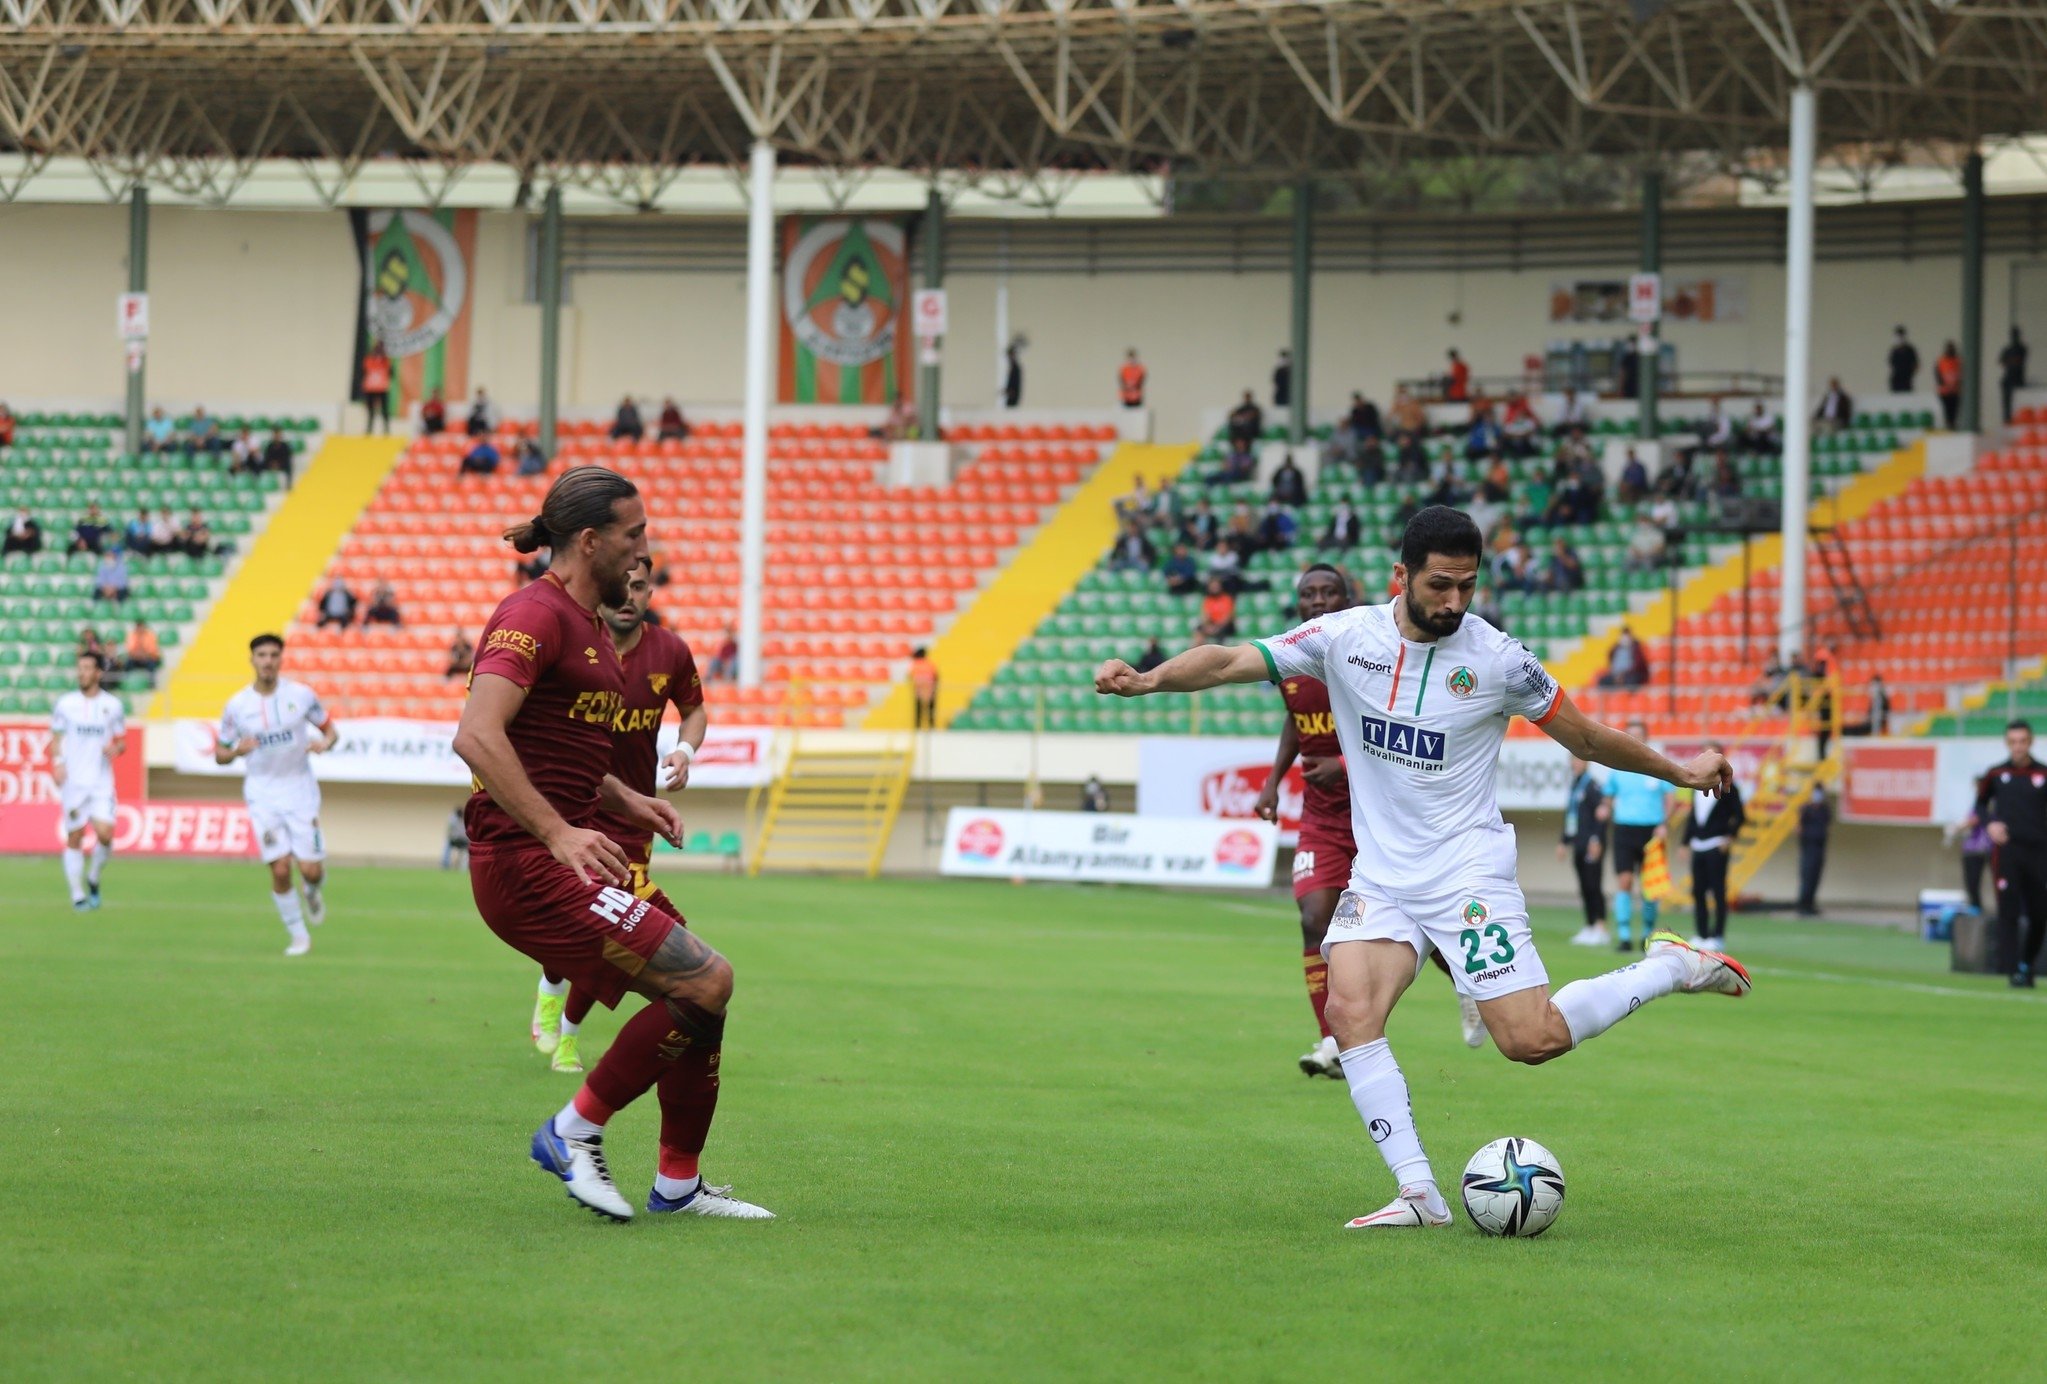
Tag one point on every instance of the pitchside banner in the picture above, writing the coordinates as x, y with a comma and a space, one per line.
418, 282
1108, 848
1915, 782
31, 821
845, 308
388, 750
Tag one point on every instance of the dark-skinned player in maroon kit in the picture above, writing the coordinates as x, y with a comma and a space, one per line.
536, 732
1325, 852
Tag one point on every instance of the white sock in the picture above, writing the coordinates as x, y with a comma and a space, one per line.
676, 1188
557, 988
1591, 1007
290, 913
101, 854
74, 873
570, 1124
1380, 1093
566, 1028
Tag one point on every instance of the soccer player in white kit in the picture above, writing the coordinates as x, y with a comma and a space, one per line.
1422, 693
89, 730
275, 723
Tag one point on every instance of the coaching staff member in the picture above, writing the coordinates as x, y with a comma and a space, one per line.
2011, 800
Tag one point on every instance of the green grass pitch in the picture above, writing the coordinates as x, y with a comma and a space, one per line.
1012, 1133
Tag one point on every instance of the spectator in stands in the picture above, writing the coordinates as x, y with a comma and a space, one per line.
461, 656
278, 455
1278, 528
1565, 571
1518, 427
1226, 564
724, 665
1496, 486
1484, 437
433, 415
532, 461
1571, 413
1240, 464
1134, 507
673, 426
376, 388
1628, 367
1716, 430
1726, 478
1878, 719
1218, 614
1759, 431
481, 459
1404, 515
482, 415
1836, 412
1182, 576
245, 454
1289, 486
1568, 502
1409, 418
1152, 656
159, 433
202, 432
1094, 795
195, 536
1012, 374
1485, 512
902, 422
1130, 380
1456, 379
1283, 380
135, 535
1904, 363
1513, 564
1486, 607
383, 607
625, 424
924, 688
1449, 490
89, 534
89, 642
1675, 479
337, 606
1202, 527
1815, 820
534, 567
1772, 682
1364, 420
1343, 529
1947, 384
1628, 664
110, 579
1647, 542
142, 653
1242, 530
2011, 367
163, 531
6, 426
1246, 421
1634, 482
1133, 551
24, 534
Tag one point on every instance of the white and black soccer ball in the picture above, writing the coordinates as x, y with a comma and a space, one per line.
1513, 1186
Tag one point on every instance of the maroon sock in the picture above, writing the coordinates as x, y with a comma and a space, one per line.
578, 1006
651, 1041
1316, 971
689, 1097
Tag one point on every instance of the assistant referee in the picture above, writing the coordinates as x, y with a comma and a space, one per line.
2011, 800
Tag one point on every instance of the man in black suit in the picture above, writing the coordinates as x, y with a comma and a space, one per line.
1584, 844
1710, 829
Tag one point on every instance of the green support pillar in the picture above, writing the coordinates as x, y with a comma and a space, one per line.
1303, 275
550, 316
1648, 377
932, 233
1972, 294
138, 282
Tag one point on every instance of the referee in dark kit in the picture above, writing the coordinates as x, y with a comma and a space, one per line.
2011, 800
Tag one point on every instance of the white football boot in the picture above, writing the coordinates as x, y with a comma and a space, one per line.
1474, 1026
1320, 1060
707, 1200
1704, 970
579, 1163
1408, 1210
299, 946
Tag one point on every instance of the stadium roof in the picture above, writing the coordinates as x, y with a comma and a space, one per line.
615, 95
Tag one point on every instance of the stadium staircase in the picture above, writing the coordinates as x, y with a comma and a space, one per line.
857, 573
60, 463
831, 808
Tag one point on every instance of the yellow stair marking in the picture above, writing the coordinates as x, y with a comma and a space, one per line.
832, 810
987, 633
1697, 595
304, 534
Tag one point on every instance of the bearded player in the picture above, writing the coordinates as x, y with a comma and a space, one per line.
547, 687
1322, 859
658, 670
1421, 693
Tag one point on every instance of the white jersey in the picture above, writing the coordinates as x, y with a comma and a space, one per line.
1420, 726
282, 724
88, 726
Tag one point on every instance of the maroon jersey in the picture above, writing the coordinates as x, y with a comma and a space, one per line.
562, 654
658, 670
1307, 701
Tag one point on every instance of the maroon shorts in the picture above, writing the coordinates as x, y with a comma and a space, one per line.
597, 935
1323, 858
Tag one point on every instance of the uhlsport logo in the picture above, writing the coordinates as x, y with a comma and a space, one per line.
980, 839
1462, 682
1238, 852
1475, 912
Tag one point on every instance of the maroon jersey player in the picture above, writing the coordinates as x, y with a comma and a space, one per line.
1325, 851
536, 732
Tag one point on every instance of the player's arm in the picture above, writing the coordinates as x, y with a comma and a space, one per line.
483, 744
1289, 750
1197, 670
629, 805
1588, 739
58, 773
329, 732
689, 738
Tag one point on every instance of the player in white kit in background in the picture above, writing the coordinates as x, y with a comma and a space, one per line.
275, 723
1421, 694
90, 729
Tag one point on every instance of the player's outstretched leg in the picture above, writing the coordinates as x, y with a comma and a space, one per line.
568, 1057
1366, 978
547, 1010
1533, 1026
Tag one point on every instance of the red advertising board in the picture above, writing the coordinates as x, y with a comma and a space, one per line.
29, 813
1890, 783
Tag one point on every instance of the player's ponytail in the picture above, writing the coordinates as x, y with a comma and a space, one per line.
581, 497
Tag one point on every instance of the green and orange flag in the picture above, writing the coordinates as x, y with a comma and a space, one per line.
845, 306
417, 287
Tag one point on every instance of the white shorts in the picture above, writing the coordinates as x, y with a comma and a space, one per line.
1483, 934
284, 829
83, 803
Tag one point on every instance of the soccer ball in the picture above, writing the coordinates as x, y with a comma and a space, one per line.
1513, 1186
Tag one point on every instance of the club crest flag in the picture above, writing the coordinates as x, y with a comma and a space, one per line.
418, 282
845, 301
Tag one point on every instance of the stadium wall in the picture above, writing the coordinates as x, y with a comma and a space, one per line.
259, 305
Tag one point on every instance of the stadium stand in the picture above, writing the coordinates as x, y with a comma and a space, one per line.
58, 465
857, 573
